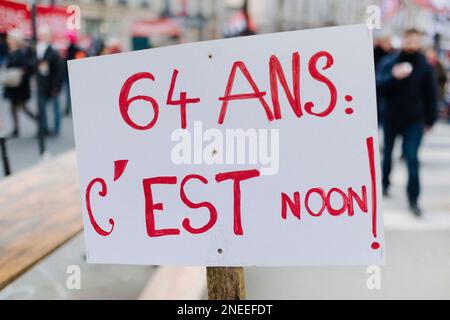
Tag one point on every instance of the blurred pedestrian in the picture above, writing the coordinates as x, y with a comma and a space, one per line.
3, 48
408, 84
16, 78
441, 75
96, 47
50, 74
73, 51
382, 48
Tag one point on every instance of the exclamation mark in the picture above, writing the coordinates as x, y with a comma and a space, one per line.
370, 151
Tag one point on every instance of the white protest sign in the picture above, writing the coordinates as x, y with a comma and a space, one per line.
259, 150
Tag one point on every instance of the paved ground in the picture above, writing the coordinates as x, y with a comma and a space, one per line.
24, 152
418, 251
47, 280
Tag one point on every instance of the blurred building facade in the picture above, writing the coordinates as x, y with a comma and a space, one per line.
187, 20
193, 20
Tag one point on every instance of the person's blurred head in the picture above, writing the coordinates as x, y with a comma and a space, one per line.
412, 41
382, 39
44, 35
15, 39
385, 43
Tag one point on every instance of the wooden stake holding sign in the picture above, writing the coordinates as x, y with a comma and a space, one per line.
262, 146
225, 283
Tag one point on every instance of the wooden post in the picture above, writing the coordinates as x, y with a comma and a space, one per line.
225, 283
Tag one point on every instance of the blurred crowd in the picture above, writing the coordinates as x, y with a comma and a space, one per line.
21, 63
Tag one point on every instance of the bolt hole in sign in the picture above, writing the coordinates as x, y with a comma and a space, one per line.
265, 155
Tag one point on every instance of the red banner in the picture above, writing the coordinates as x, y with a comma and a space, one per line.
15, 15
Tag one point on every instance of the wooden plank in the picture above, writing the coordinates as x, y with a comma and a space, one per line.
176, 283
226, 283
39, 211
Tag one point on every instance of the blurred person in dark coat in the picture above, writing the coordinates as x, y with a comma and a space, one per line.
382, 48
50, 75
19, 93
3, 48
441, 74
73, 51
408, 84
